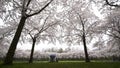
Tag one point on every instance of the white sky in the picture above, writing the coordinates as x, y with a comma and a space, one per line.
96, 11
1, 22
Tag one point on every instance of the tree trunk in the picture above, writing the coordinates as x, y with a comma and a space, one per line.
32, 51
12, 48
85, 49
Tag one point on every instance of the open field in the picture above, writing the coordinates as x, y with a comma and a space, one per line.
63, 64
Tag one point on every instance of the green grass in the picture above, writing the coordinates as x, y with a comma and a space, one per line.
63, 64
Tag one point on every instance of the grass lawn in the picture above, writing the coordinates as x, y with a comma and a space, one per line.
63, 64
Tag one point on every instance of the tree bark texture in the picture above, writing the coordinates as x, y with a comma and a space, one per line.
12, 48
85, 49
32, 51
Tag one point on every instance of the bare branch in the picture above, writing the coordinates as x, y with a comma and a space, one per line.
43, 24
110, 4
28, 3
16, 3
29, 32
39, 11
49, 26
42, 29
83, 24
113, 35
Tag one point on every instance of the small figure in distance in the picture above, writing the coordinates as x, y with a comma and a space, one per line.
52, 58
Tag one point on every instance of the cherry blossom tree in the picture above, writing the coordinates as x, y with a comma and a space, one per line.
26, 12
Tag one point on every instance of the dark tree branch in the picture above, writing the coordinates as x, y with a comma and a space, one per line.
16, 3
40, 9
82, 22
110, 4
29, 32
26, 7
42, 29
49, 26
28, 3
113, 35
